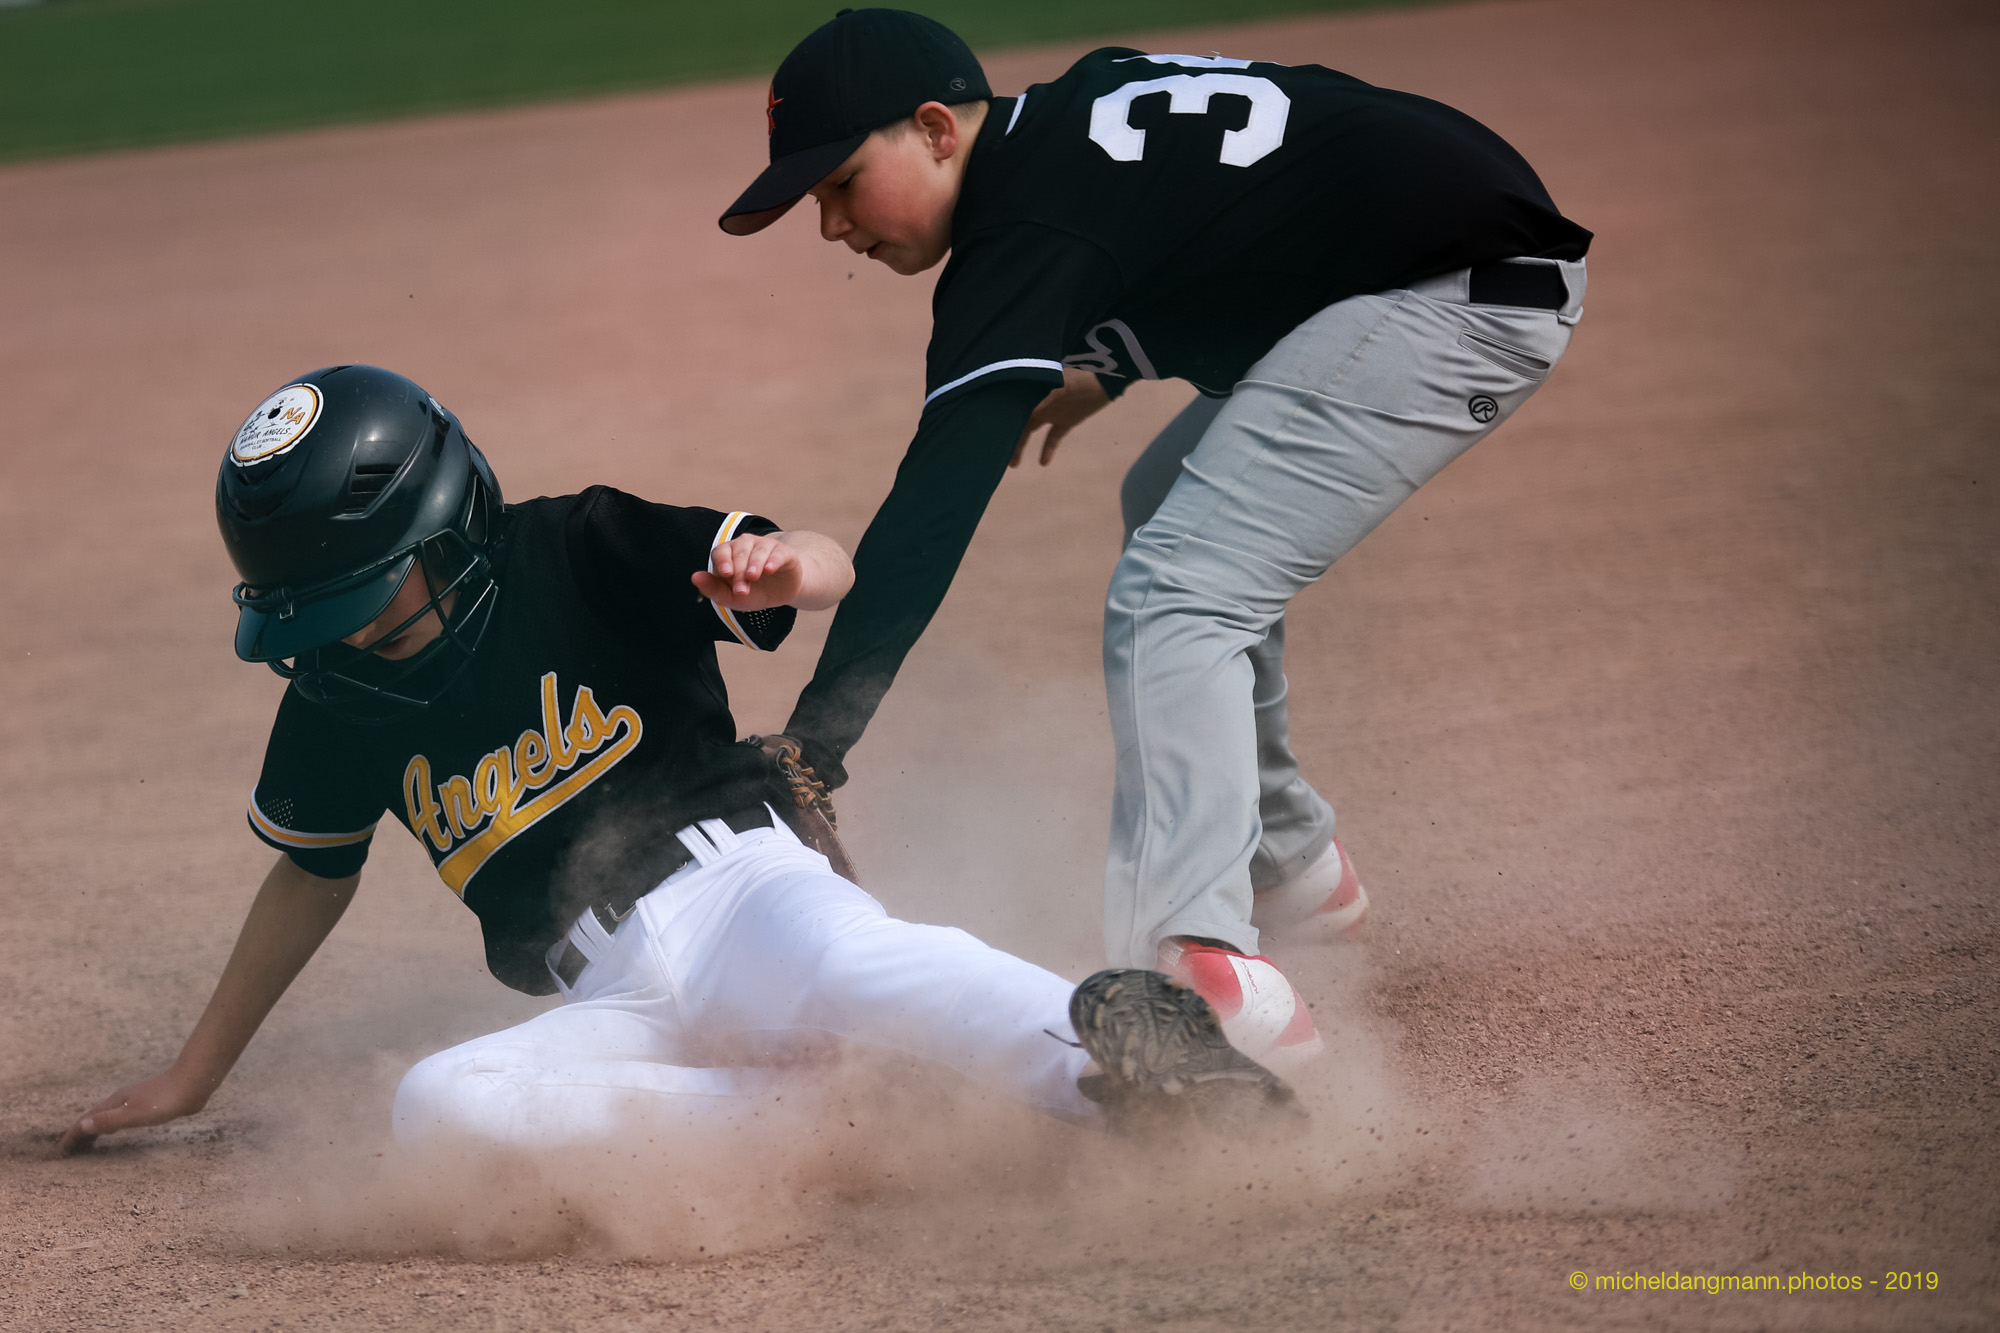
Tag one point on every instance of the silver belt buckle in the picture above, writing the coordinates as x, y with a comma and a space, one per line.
609, 919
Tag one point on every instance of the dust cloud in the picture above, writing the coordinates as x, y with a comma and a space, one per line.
861, 1150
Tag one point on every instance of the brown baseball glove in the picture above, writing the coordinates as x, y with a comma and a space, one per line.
813, 818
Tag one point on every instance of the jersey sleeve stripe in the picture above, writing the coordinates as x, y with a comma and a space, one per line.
285, 837
1029, 362
730, 523
727, 616
1019, 102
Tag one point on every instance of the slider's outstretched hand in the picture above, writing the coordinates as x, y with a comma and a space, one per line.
292, 914
157, 1100
751, 573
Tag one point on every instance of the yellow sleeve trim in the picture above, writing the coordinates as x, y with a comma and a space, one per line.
728, 617
285, 837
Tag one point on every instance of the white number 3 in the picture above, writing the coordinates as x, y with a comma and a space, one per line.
1110, 115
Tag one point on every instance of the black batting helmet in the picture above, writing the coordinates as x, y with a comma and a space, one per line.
334, 491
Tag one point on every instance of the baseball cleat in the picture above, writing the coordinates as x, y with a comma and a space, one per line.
1161, 1054
1325, 900
1261, 1012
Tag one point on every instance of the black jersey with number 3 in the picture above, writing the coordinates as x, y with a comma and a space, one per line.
591, 723
1152, 216
1166, 216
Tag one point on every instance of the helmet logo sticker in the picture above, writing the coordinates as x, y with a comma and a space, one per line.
280, 422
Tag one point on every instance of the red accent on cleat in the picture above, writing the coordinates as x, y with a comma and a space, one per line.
1212, 972
1261, 1012
1324, 901
1347, 905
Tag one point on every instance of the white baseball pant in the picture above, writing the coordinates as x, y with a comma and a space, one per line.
756, 946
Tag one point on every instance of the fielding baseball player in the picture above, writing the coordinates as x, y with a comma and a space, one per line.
1362, 284
532, 690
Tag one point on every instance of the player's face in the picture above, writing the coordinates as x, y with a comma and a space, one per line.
409, 599
892, 200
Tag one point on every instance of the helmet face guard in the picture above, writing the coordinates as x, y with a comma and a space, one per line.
355, 682
335, 491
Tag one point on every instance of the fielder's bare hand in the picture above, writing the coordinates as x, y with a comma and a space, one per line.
752, 573
1080, 398
159, 1099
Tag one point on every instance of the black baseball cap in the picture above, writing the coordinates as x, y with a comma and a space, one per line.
866, 69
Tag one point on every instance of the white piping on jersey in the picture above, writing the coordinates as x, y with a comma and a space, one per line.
727, 616
1019, 102
1195, 62
1033, 361
285, 837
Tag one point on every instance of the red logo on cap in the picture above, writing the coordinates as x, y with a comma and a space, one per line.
771, 111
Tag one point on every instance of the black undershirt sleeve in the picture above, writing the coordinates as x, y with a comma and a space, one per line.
907, 559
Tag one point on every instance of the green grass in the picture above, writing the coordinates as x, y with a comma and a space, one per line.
84, 75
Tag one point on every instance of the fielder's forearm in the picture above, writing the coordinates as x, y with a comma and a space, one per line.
906, 561
292, 915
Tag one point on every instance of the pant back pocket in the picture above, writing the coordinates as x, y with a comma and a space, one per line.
1525, 364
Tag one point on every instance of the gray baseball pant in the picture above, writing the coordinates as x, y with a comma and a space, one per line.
1239, 504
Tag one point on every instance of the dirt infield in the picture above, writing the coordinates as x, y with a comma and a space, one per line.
1663, 727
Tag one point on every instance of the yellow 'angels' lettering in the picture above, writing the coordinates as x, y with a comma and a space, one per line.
586, 724
563, 752
423, 807
591, 738
531, 759
459, 807
492, 780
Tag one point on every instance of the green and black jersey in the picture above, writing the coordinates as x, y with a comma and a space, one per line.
591, 723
